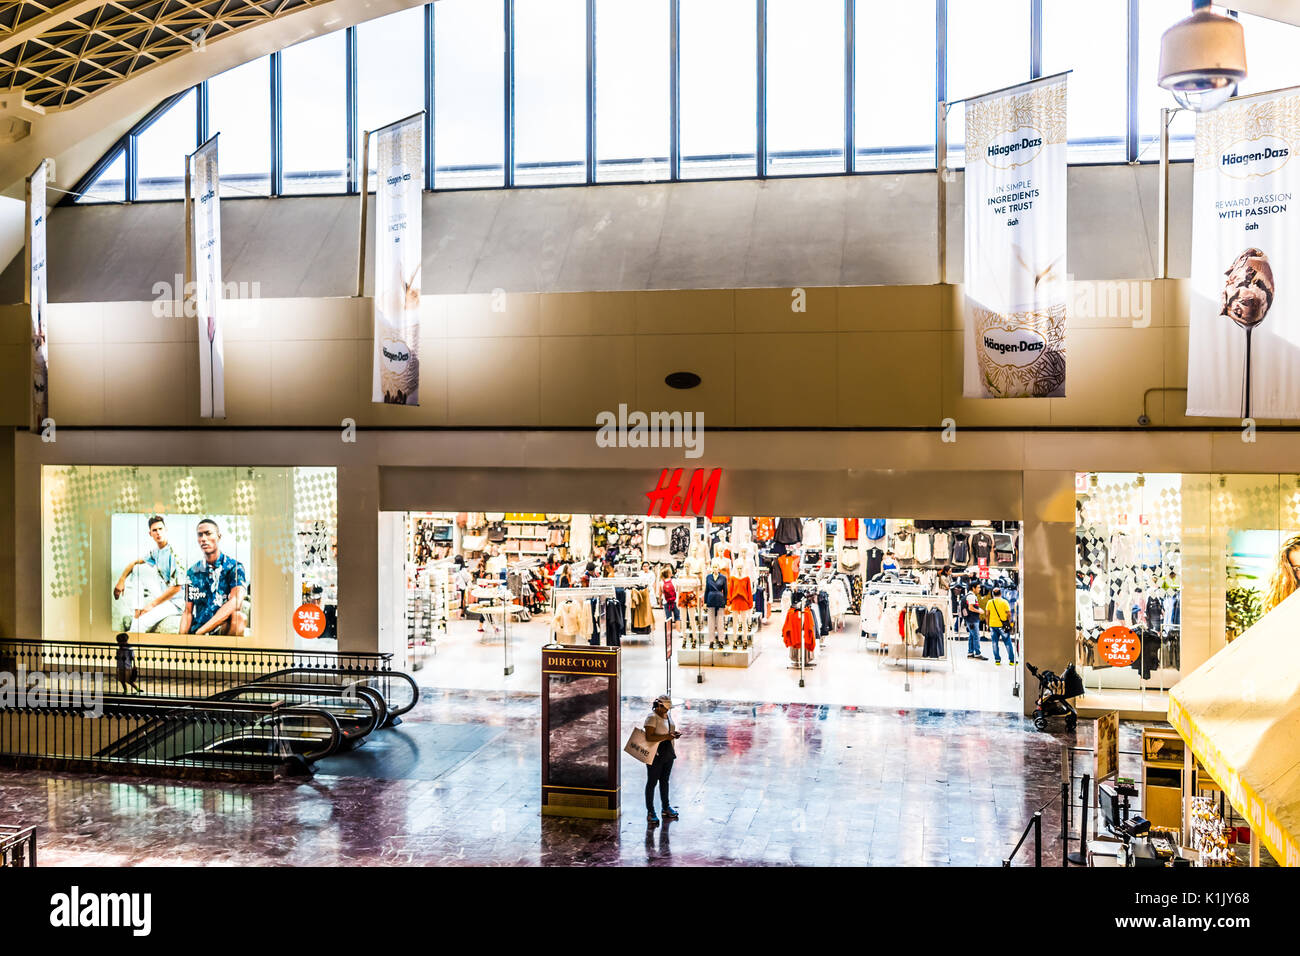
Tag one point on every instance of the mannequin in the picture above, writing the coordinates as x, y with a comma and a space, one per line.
740, 597
715, 603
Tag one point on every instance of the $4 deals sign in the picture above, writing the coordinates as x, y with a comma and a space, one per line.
1118, 646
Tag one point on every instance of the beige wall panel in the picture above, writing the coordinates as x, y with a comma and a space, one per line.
313, 381
786, 380
504, 314
16, 323
1112, 451
143, 381
1108, 372
15, 376
770, 310
881, 308
248, 382
303, 320
1120, 304
694, 311
1047, 556
493, 380
712, 357
583, 375
888, 378
74, 324
76, 378
588, 313
136, 321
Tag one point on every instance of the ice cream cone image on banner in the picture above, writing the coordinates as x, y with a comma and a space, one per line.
399, 361
1247, 297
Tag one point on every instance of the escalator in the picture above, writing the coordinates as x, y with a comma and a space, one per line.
303, 708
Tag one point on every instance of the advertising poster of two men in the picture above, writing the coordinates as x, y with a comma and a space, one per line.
180, 574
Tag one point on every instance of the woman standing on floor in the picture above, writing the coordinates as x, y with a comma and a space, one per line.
660, 729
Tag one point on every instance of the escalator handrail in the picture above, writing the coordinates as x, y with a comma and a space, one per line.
172, 708
343, 672
374, 700
188, 648
336, 731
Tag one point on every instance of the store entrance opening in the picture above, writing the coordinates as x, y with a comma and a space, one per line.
827, 610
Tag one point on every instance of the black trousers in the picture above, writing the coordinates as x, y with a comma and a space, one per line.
657, 774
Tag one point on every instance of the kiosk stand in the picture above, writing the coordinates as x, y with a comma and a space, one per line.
581, 734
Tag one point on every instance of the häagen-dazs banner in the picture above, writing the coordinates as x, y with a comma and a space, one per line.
399, 164
205, 231
1015, 284
37, 297
1243, 358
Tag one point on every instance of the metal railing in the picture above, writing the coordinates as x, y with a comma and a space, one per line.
1035, 826
17, 846
186, 672
224, 739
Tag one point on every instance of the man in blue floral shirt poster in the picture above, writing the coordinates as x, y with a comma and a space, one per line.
214, 598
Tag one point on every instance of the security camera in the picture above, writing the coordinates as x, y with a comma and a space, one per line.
1203, 58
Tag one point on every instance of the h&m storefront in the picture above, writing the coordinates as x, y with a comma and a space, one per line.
314, 521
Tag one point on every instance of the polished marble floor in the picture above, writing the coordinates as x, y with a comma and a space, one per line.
756, 784
846, 672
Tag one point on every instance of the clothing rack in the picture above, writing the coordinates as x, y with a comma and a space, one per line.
908, 603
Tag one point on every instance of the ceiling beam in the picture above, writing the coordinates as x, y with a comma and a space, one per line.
33, 28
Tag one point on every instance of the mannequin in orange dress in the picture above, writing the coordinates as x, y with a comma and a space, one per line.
740, 599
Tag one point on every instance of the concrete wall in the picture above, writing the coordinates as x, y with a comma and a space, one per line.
861, 357
818, 231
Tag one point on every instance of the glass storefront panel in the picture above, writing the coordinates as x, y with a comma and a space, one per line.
1186, 562
194, 556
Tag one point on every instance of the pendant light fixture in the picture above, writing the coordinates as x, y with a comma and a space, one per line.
1203, 58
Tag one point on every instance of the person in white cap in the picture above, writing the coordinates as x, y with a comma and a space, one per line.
659, 729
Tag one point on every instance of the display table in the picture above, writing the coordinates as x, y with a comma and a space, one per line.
703, 657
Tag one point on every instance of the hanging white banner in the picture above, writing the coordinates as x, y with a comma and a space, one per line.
203, 206
1015, 284
37, 296
399, 164
1243, 356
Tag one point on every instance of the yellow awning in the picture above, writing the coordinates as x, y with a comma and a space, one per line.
1239, 712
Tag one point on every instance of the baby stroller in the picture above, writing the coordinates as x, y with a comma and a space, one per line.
1054, 694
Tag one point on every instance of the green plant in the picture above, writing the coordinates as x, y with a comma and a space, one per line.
1244, 607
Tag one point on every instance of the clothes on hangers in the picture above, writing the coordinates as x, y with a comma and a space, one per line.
789, 531
799, 629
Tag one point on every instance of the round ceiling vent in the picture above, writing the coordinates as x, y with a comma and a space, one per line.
682, 380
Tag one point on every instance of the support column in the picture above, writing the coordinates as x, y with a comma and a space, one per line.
1047, 552
358, 498
8, 538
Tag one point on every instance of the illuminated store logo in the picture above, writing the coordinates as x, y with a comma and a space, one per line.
701, 494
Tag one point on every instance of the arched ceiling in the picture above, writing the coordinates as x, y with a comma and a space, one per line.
82, 73
61, 53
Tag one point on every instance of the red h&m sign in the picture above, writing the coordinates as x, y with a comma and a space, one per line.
699, 499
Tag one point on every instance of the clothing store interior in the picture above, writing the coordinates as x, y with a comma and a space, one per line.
831, 610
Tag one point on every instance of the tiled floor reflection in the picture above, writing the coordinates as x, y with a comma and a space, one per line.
756, 784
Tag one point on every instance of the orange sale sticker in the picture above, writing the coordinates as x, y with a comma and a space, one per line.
309, 621
1118, 646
